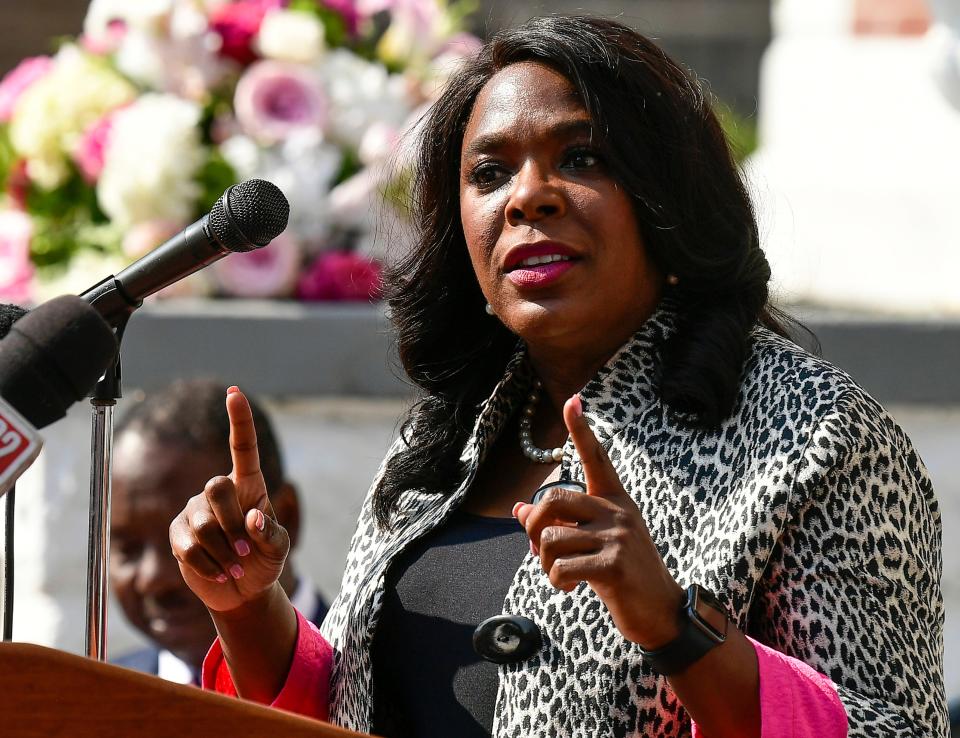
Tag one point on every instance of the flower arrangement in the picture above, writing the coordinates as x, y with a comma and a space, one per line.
131, 130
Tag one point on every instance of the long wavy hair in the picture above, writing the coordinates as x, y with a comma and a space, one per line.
664, 145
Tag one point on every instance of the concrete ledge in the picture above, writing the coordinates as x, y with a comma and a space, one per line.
897, 359
291, 349
278, 349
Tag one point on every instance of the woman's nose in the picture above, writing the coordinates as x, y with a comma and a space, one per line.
535, 195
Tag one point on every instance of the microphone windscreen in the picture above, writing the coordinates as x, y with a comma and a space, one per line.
249, 215
9, 314
53, 356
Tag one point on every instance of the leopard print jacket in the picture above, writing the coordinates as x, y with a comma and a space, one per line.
807, 512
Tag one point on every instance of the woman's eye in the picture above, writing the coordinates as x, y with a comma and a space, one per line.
582, 159
485, 174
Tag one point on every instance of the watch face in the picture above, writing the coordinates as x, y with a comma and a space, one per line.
697, 595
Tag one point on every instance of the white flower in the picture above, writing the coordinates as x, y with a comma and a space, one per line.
52, 114
140, 14
164, 44
360, 94
304, 170
151, 161
243, 155
290, 35
303, 167
141, 57
86, 268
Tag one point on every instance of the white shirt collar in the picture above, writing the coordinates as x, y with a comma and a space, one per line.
304, 597
172, 669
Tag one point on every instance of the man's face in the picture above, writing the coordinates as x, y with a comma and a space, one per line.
152, 481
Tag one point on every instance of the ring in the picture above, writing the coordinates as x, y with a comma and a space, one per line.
566, 484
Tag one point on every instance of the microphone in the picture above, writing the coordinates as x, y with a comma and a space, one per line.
247, 216
9, 314
19, 442
52, 357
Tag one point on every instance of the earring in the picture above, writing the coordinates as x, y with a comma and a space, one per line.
489, 309
673, 280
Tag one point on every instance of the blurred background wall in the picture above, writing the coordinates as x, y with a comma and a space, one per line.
855, 178
30, 27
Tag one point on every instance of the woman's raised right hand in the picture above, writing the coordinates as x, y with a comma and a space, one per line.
227, 541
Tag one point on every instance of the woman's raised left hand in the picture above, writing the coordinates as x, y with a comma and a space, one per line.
602, 539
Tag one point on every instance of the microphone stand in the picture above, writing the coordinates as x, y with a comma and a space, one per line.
116, 307
8, 565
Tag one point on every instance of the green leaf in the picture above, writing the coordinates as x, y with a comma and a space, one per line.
741, 131
71, 200
350, 164
399, 190
57, 240
215, 176
8, 157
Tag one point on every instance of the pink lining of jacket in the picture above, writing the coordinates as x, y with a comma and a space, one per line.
796, 701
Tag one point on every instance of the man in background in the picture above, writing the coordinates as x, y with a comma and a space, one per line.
166, 448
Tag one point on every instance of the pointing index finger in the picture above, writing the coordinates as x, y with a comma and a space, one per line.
601, 478
243, 436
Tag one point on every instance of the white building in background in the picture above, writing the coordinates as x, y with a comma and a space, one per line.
857, 178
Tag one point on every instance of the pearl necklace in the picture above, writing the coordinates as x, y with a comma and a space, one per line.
540, 455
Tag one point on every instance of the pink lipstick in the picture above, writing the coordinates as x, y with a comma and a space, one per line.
539, 264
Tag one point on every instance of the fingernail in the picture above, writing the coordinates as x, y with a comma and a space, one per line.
243, 548
516, 508
232, 388
222, 578
576, 405
261, 521
236, 571
534, 550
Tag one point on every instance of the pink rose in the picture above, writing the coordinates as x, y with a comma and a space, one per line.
91, 149
142, 238
341, 275
267, 272
274, 99
237, 24
16, 270
378, 142
107, 43
461, 45
18, 79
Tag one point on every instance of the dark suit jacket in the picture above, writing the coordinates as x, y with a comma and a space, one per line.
148, 659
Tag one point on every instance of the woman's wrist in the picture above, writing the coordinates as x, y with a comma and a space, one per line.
253, 608
666, 627
258, 641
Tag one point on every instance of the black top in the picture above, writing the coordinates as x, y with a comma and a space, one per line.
427, 679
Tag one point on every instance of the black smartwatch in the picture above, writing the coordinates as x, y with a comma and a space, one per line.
697, 634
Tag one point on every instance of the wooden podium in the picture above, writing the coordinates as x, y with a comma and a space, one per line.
45, 692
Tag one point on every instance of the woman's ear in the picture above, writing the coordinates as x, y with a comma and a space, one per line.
286, 505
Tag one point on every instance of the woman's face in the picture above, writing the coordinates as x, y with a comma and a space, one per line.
553, 238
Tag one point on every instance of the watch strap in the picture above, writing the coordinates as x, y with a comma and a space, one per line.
695, 640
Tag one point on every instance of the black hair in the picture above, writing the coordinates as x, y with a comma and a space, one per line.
663, 143
193, 413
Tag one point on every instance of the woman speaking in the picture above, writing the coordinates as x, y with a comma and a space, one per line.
730, 538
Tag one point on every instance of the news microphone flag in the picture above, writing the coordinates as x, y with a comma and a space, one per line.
19, 446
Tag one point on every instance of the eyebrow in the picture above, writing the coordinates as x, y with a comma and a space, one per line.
492, 141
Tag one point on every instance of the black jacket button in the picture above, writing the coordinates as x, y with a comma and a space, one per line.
507, 639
